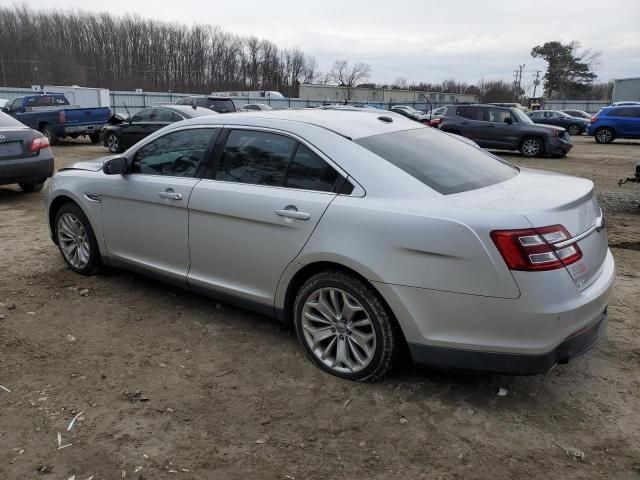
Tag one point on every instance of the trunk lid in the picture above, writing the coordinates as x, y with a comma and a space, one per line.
546, 198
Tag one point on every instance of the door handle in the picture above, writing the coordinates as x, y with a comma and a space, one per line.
170, 194
491, 125
292, 212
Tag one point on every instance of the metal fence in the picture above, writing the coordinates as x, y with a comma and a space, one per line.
589, 106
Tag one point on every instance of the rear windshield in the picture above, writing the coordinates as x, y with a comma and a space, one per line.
439, 160
222, 106
7, 122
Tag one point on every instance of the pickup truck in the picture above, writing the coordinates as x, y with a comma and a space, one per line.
51, 114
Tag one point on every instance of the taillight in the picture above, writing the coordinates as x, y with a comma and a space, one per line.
38, 144
532, 250
62, 117
435, 122
594, 118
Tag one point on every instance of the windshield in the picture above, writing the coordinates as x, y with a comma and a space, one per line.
520, 116
439, 160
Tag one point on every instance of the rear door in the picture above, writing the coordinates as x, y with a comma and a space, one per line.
627, 121
254, 211
501, 132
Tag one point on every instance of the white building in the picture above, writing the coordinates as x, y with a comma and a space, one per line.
335, 93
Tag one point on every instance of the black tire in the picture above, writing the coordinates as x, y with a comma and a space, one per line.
383, 324
114, 144
531, 147
48, 132
31, 187
94, 260
574, 129
94, 137
604, 135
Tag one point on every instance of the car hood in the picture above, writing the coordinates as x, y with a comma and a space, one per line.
88, 165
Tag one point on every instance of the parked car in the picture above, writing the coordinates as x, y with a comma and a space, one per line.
615, 122
52, 115
25, 156
577, 113
505, 128
216, 103
255, 107
573, 125
411, 113
367, 231
436, 115
120, 135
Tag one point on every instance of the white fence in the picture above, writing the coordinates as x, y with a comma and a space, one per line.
589, 106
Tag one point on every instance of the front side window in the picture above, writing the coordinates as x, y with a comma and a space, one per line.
499, 115
176, 154
258, 158
440, 161
309, 172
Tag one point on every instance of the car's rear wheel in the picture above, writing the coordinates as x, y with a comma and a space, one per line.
30, 187
574, 129
531, 147
48, 132
76, 239
344, 327
604, 135
113, 143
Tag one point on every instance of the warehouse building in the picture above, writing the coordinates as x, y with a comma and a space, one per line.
335, 93
626, 89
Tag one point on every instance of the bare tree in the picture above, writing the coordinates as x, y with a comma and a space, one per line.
349, 76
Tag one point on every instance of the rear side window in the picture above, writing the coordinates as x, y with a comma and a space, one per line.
439, 160
472, 113
257, 158
309, 172
222, 106
7, 121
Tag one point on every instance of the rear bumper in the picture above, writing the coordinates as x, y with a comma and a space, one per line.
80, 129
509, 363
26, 169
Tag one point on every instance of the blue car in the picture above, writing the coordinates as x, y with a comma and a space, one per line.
615, 122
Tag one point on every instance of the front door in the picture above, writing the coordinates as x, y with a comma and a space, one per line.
501, 132
255, 212
144, 213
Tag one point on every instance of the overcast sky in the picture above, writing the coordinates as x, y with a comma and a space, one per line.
419, 40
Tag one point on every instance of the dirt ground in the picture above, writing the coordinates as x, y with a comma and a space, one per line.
173, 385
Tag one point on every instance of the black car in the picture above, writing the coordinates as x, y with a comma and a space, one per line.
25, 156
578, 113
505, 128
573, 125
120, 136
215, 103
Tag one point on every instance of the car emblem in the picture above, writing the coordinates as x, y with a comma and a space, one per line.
3, 139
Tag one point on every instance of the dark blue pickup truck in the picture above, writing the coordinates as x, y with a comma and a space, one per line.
51, 114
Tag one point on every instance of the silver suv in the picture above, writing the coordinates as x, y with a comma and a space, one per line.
505, 128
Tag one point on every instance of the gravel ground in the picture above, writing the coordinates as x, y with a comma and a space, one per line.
168, 384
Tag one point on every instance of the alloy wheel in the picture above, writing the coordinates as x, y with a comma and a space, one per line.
531, 147
338, 330
604, 135
73, 240
113, 144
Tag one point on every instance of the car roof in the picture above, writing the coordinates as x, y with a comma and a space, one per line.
353, 124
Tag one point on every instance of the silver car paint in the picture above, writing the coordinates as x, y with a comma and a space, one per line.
429, 255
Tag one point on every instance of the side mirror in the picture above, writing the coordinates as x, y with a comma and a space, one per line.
115, 166
508, 120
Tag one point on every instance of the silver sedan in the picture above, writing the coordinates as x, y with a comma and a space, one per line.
366, 231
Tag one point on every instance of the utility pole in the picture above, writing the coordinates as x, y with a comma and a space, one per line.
517, 82
536, 82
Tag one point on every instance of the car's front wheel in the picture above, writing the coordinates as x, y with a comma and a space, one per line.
532, 147
113, 143
76, 239
604, 135
344, 327
30, 187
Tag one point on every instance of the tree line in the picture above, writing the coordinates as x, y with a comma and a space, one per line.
124, 53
